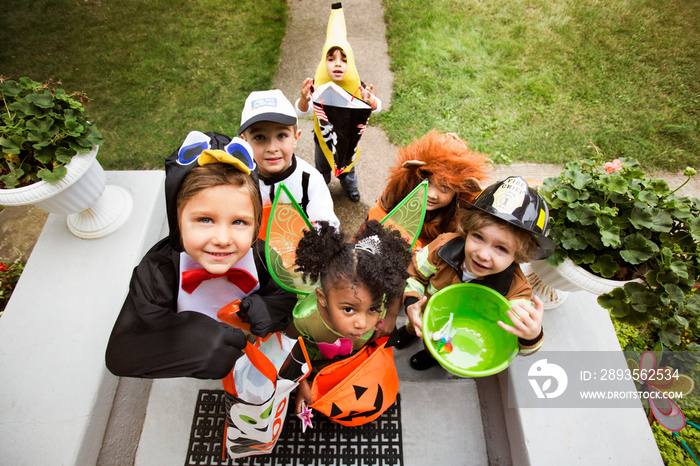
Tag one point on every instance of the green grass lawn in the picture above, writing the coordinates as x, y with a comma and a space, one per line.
524, 80
153, 70
538, 80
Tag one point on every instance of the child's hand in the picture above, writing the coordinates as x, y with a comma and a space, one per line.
303, 394
527, 321
388, 323
386, 328
368, 91
306, 90
303, 103
415, 316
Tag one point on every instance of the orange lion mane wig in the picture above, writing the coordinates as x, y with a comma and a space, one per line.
451, 163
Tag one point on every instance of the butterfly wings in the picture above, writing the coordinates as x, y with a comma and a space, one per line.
284, 230
288, 222
408, 215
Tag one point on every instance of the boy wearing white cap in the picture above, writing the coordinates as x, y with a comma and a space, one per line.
269, 125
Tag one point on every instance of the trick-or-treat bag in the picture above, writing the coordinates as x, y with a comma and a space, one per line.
257, 393
358, 389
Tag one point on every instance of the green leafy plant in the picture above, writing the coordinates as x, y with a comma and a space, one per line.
9, 274
616, 222
41, 129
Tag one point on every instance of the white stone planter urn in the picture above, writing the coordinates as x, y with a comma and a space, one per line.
94, 209
553, 284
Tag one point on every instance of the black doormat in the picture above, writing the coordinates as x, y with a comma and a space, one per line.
328, 443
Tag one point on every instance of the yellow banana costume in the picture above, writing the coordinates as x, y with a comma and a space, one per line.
336, 36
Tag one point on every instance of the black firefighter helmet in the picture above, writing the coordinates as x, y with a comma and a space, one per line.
513, 201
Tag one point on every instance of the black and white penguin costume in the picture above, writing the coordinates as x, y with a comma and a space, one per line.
165, 331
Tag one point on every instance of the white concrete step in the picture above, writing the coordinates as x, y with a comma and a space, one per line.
440, 418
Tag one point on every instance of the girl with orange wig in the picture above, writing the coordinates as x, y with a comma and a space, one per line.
453, 171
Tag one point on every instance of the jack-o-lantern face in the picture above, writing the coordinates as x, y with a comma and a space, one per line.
359, 389
338, 415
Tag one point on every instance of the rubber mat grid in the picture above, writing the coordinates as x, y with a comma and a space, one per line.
326, 444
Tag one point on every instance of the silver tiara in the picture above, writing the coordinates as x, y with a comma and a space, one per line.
370, 244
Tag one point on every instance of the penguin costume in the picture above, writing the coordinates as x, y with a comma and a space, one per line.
167, 328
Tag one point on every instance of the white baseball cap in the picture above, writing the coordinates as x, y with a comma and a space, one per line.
269, 105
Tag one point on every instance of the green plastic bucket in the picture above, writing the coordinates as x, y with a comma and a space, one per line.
479, 347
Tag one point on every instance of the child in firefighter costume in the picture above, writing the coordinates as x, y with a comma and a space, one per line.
454, 174
168, 325
341, 105
503, 227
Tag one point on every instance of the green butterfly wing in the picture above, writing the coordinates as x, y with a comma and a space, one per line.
284, 230
408, 216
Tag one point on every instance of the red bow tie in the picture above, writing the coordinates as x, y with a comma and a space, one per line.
191, 279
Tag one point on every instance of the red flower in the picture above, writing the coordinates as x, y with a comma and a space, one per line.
613, 166
3, 267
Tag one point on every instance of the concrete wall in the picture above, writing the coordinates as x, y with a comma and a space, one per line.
56, 391
595, 436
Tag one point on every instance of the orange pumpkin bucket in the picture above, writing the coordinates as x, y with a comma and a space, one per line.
357, 390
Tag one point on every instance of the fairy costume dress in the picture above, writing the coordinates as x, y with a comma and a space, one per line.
286, 228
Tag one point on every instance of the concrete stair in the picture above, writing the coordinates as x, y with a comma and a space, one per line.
440, 416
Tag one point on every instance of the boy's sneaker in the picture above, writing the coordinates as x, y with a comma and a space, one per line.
354, 195
404, 338
423, 360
